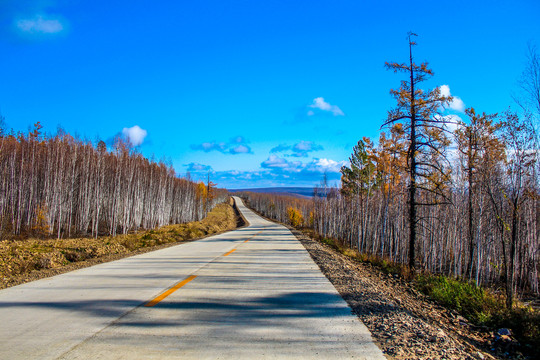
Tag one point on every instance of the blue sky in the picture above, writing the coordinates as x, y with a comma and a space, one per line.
260, 93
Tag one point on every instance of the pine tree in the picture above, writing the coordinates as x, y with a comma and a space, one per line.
358, 178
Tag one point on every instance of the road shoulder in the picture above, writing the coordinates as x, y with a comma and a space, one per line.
402, 322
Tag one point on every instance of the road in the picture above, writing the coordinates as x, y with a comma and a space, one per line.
250, 293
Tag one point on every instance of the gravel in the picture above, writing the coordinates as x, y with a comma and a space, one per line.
404, 323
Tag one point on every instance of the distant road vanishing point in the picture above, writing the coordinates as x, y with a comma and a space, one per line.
252, 293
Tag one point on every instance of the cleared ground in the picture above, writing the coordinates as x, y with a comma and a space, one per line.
249, 293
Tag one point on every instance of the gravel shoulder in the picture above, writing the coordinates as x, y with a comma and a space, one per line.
404, 323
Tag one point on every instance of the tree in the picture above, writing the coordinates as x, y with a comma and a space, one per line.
295, 216
478, 144
63, 185
358, 179
210, 186
518, 135
529, 83
2, 125
418, 110
391, 158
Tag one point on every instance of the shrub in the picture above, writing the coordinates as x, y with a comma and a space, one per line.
467, 298
295, 216
40, 227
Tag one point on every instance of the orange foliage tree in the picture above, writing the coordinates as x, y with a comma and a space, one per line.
295, 216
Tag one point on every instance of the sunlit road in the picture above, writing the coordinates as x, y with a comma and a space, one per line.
250, 293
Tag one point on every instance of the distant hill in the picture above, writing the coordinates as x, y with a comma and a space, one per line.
301, 192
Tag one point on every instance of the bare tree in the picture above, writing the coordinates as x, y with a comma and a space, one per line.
477, 143
65, 186
529, 83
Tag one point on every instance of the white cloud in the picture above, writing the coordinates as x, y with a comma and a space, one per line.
307, 146
456, 104
280, 148
319, 103
276, 162
240, 149
135, 135
196, 167
301, 149
445, 90
40, 25
238, 140
325, 165
319, 166
236, 145
209, 146
278, 171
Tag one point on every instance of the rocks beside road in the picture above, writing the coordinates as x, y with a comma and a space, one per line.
403, 322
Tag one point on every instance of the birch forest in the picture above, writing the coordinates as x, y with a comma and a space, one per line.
61, 186
459, 198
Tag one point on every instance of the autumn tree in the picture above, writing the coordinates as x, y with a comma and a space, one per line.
391, 158
418, 111
295, 216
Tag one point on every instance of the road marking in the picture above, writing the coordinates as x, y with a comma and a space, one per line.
170, 291
185, 281
230, 252
251, 238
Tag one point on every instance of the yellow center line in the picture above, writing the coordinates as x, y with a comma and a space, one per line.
170, 291
251, 238
185, 281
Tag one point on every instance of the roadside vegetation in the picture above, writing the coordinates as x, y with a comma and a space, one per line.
482, 306
25, 260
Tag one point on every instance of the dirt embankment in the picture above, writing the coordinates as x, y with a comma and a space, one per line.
404, 322
27, 260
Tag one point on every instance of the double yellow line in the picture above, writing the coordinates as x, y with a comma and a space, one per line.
185, 281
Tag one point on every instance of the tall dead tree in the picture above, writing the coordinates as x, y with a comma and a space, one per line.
418, 110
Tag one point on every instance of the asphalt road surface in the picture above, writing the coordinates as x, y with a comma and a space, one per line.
250, 293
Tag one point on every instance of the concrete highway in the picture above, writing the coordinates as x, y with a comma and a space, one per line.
250, 293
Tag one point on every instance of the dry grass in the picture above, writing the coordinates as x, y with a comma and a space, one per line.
23, 260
